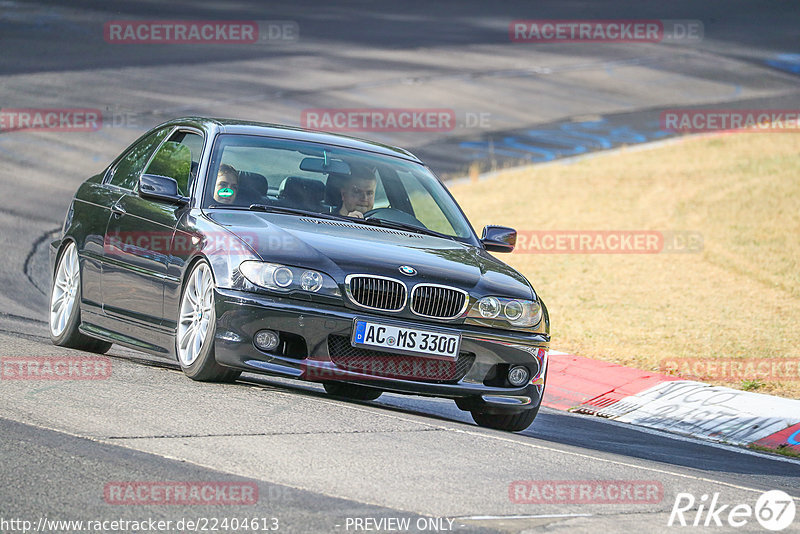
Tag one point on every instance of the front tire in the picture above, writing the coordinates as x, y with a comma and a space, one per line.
508, 422
197, 324
65, 312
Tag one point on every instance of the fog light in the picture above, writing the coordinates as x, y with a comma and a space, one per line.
518, 375
266, 340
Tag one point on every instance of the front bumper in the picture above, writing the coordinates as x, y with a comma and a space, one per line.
241, 314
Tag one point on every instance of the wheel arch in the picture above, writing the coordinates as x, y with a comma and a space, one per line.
59, 251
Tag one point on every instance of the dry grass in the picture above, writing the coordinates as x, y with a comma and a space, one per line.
738, 298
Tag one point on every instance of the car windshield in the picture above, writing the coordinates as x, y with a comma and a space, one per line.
295, 176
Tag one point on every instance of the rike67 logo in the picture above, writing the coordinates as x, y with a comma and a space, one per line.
774, 510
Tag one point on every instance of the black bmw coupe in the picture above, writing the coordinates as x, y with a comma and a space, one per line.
239, 246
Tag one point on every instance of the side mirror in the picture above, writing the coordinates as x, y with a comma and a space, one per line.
499, 238
160, 188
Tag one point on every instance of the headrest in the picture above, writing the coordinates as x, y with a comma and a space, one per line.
303, 193
254, 181
333, 189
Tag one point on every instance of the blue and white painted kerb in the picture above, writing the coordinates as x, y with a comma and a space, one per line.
708, 412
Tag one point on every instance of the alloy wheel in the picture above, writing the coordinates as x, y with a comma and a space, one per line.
65, 289
196, 308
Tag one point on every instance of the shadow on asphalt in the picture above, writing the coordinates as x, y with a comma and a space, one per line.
576, 432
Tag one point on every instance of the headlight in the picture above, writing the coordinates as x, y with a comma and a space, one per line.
282, 276
285, 278
489, 307
499, 312
311, 281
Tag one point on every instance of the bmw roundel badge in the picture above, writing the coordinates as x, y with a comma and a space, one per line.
407, 270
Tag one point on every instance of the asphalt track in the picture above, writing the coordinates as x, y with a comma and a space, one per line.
316, 460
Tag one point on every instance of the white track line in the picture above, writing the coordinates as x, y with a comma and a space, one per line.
578, 454
539, 516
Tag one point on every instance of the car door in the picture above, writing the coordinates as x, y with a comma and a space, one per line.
92, 207
138, 240
91, 210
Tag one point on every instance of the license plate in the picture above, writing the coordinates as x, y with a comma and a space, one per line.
408, 340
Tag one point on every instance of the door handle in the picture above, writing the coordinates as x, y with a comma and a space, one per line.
117, 210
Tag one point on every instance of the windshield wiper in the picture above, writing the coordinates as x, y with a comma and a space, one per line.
371, 221
227, 206
291, 211
374, 221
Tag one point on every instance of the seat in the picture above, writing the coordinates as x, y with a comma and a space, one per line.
333, 190
254, 182
301, 193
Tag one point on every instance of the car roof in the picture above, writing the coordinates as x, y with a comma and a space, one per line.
235, 126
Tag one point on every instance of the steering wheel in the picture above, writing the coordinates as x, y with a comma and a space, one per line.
394, 215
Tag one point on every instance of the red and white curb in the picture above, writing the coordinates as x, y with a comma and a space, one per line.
668, 403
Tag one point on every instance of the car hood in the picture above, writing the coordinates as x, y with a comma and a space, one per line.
340, 248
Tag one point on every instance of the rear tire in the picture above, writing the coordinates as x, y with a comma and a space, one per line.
510, 422
351, 391
65, 309
197, 324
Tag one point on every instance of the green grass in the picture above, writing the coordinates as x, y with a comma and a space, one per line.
737, 298
784, 450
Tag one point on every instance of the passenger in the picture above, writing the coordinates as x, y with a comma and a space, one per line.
227, 186
358, 192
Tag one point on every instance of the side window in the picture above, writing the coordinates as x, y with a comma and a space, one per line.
126, 173
178, 158
195, 144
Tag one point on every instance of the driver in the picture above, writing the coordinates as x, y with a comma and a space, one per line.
358, 192
227, 186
